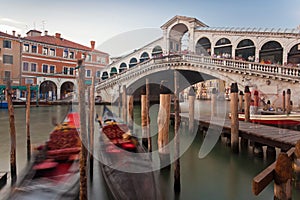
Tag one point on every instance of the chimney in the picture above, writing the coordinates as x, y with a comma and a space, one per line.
57, 35
93, 45
46, 33
14, 33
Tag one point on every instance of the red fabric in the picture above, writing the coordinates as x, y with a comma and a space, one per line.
45, 165
74, 119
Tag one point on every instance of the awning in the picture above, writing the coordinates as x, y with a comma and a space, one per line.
20, 87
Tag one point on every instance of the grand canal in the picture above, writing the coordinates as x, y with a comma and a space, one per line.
220, 175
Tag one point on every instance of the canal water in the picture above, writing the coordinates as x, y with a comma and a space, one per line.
220, 175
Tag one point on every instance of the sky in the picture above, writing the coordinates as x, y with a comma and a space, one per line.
134, 23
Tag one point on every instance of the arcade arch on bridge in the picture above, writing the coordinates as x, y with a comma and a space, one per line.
113, 71
223, 48
122, 67
157, 52
104, 75
179, 38
144, 57
294, 55
271, 52
203, 46
133, 62
245, 50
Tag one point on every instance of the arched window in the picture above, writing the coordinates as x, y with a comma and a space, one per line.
133, 62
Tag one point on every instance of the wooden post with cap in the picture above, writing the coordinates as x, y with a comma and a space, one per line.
83, 132
177, 185
13, 162
91, 123
288, 101
191, 109
241, 94
247, 98
214, 102
283, 101
163, 122
234, 118
28, 122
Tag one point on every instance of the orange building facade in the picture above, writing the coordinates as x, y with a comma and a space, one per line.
49, 61
10, 58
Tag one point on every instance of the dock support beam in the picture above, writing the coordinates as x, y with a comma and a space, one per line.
28, 123
130, 111
214, 102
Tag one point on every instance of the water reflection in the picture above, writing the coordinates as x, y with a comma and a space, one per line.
220, 175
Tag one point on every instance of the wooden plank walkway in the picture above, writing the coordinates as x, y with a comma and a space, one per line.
266, 135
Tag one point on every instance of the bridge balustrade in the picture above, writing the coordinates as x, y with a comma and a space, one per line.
165, 61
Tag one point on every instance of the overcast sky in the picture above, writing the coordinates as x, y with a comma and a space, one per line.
104, 21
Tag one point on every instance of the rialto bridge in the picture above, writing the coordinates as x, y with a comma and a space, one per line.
264, 59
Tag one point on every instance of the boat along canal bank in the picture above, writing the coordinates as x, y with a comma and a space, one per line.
219, 175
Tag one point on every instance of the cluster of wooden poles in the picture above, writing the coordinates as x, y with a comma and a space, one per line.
85, 140
163, 122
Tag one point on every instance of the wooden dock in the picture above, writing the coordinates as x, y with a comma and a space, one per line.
265, 135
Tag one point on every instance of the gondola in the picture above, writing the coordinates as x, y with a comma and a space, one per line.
125, 164
53, 172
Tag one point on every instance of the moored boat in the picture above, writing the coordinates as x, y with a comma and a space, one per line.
53, 172
125, 164
274, 118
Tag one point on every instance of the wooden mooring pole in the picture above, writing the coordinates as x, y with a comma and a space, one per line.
163, 121
124, 104
283, 101
13, 163
130, 110
83, 133
92, 124
191, 109
247, 97
241, 94
283, 177
214, 102
144, 117
148, 116
288, 102
177, 185
28, 123
234, 118
296, 165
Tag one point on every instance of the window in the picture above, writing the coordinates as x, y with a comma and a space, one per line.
29, 81
7, 44
88, 73
7, 75
45, 51
103, 60
98, 74
33, 67
25, 66
72, 55
82, 55
88, 58
52, 52
7, 59
98, 59
34, 49
52, 69
66, 53
65, 70
26, 47
45, 68
71, 71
